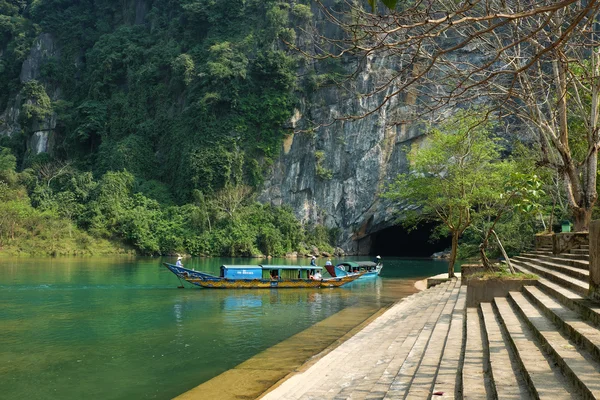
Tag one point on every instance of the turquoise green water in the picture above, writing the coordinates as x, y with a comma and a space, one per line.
120, 329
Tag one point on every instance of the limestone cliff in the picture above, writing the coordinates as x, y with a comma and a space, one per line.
40, 131
329, 171
335, 174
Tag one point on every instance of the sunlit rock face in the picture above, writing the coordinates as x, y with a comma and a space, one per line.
43, 49
333, 171
334, 174
40, 133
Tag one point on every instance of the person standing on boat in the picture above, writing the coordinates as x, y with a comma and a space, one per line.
313, 261
377, 260
178, 263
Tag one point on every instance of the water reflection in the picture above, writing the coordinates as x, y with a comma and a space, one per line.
236, 302
179, 322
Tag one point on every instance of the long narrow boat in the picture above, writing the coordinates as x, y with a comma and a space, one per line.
260, 277
365, 269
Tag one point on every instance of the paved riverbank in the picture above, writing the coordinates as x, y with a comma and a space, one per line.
540, 342
421, 285
395, 355
253, 377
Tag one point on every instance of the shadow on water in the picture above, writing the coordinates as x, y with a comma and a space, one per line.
119, 328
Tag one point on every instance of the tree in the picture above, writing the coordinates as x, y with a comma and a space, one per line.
456, 169
521, 194
8, 164
230, 199
537, 62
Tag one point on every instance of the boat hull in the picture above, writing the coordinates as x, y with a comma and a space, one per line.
368, 275
208, 281
372, 274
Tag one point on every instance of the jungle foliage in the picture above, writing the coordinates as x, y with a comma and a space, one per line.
53, 208
169, 111
460, 181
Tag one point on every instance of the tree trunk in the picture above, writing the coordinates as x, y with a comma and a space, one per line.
453, 253
484, 260
582, 218
506, 258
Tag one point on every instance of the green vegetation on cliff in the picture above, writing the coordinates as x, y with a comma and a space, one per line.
168, 113
70, 212
190, 92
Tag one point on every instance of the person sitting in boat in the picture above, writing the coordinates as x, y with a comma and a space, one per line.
317, 276
313, 261
328, 262
178, 263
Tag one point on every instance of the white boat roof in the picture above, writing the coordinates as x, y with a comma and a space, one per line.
270, 267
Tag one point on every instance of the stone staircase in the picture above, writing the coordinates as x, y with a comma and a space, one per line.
543, 342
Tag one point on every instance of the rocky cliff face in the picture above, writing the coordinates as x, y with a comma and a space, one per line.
336, 173
40, 132
329, 172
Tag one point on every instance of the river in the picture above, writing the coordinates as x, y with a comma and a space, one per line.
118, 328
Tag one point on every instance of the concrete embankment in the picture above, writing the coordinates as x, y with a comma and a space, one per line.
541, 342
399, 353
253, 377
421, 285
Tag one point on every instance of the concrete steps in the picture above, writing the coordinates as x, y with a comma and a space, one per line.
543, 378
587, 309
524, 264
503, 367
571, 323
577, 364
397, 355
582, 274
541, 343
574, 260
475, 377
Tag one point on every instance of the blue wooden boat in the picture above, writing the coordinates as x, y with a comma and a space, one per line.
260, 277
365, 269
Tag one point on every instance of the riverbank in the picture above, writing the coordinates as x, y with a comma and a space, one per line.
536, 342
79, 244
421, 285
260, 373
388, 349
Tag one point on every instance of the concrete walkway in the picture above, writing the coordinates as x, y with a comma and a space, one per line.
397, 355
541, 343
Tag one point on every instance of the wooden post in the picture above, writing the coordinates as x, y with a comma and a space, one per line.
594, 292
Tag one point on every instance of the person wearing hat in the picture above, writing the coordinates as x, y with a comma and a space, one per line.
377, 260
313, 261
178, 263
328, 262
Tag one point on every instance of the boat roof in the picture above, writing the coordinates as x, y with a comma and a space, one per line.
359, 263
290, 267
366, 263
241, 266
270, 267
350, 263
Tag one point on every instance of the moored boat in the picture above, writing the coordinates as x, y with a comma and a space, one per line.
260, 277
365, 269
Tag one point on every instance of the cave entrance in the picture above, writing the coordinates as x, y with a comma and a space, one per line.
396, 241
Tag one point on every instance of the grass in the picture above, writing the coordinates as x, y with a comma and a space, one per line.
79, 245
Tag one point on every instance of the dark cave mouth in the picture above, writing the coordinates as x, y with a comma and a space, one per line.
396, 241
